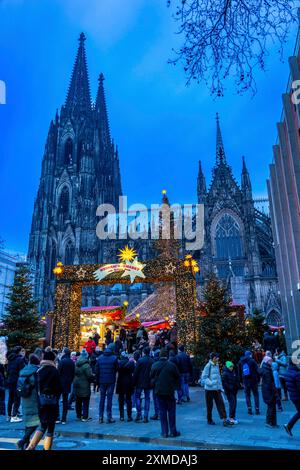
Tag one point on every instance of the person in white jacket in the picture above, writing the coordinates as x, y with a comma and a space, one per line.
212, 382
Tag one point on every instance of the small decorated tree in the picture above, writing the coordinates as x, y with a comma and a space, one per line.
221, 329
256, 326
21, 321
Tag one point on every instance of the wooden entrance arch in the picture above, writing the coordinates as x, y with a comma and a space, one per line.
71, 280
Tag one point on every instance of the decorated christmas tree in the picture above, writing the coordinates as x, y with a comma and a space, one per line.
21, 321
221, 329
256, 326
167, 245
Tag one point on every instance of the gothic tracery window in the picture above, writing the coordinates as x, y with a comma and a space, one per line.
68, 151
64, 203
69, 253
228, 238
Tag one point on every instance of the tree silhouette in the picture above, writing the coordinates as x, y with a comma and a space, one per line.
223, 38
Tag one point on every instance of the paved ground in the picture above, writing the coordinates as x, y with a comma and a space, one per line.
251, 431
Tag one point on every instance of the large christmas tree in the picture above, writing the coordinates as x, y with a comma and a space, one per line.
21, 321
221, 329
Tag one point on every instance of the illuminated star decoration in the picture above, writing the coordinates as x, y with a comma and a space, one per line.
127, 254
135, 270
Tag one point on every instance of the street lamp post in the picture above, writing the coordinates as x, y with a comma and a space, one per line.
192, 265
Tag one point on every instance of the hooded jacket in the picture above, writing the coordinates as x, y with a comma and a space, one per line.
141, 376
16, 362
30, 404
211, 377
106, 368
268, 388
165, 377
66, 370
230, 381
292, 379
253, 378
83, 376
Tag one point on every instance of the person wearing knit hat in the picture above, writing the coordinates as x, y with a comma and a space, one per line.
84, 354
49, 390
230, 383
268, 389
249, 375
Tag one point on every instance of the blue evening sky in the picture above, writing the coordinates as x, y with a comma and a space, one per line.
162, 127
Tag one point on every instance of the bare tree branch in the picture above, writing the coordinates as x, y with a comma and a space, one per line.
230, 38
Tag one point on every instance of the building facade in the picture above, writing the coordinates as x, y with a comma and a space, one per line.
238, 243
8, 265
81, 170
284, 194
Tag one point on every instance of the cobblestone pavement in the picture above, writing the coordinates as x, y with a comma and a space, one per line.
251, 431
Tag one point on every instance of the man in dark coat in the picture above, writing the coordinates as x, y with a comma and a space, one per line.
106, 371
185, 368
16, 362
142, 383
248, 372
166, 379
95, 336
268, 390
66, 370
269, 342
125, 385
230, 384
292, 379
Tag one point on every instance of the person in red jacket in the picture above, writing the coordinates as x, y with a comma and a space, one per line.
90, 346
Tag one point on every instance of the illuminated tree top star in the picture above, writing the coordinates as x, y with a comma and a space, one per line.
127, 254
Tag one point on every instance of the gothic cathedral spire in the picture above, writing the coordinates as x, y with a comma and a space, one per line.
201, 185
78, 100
220, 152
101, 114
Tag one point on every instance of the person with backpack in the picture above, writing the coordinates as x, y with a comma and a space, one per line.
268, 390
66, 370
16, 362
292, 379
230, 383
211, 379
249, 376
165, 379
49, 390
82, 386
125, 384
142, 383
27, 390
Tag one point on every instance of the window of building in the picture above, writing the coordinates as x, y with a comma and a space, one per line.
64, 203
69, 253
68, 151
228, 238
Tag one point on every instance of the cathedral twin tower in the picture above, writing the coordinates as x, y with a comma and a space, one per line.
80, 170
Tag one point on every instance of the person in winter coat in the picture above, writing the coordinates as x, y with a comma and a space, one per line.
2, 391
49, 390
66, 370
118, 346
155, 417
165, 378
292, 379
277, 385
90, 346
106, 371
230, 383
95, 336
16, 362
269, 342
249, 375
142, 383
125, 385
268, 390
93, 362
212, 381
108, 336
30, 403
185, 368
82, 386
282, 362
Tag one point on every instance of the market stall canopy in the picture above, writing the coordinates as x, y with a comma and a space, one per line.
158, 305
111, 312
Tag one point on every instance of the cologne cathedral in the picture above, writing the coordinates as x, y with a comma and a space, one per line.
80, 171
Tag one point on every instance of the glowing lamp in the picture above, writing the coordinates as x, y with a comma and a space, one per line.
188, 256
164, 191
138, 315
125, 303
186, 263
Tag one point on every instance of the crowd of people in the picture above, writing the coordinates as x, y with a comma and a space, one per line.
150, 368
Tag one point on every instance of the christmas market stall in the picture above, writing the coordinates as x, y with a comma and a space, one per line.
100, 318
